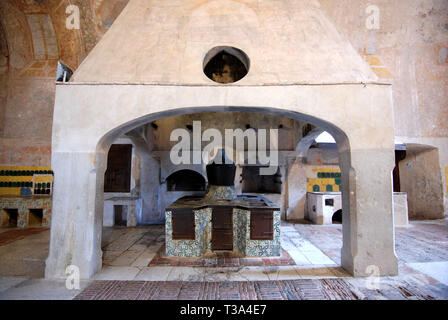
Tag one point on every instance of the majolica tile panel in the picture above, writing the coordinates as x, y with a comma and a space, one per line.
190, 248
240, 218
264, 248
23, 204
241, 236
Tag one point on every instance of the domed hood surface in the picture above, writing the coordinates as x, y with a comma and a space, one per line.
166, 42
221, 170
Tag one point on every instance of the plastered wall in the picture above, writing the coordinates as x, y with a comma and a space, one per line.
421, 179
410, 44
409, 49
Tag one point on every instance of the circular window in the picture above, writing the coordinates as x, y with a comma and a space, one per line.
226, 64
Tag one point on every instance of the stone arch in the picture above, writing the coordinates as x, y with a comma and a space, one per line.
337, 216
170, 171
306, 142
199, 182
79, 163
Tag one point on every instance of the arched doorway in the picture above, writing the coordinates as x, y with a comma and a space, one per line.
337, 217
185, 180
161, 127
80, 163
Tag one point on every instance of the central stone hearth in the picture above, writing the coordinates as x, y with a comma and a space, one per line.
246, 225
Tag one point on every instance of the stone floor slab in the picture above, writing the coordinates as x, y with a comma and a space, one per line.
117, 273
154, 273
436, 270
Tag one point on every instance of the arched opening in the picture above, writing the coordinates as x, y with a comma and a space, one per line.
337, 217
160, 125
185, 180
226, 64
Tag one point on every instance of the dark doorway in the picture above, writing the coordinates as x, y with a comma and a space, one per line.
253, 182
399, 156
222, 228
337, 217
118, 174
35, 217
185, 180
120, 215
9, 218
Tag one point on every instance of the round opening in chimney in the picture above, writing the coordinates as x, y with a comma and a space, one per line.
226, 64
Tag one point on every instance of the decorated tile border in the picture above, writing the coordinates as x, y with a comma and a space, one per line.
221, 192
240, 222
26, 181
326, 180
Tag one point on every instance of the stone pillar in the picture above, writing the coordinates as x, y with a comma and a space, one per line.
368, 224
77, 214
401, 216
149, 190
108, 214
132, 217
238, 178
151, 213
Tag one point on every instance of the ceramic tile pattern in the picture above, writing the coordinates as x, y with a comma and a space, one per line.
221, 192
25, 181
264, 248
241, 218
220, 259
326, 180
190, 248
297, 289
241, 236
23, 204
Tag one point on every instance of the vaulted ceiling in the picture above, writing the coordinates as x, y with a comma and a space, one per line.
34, 35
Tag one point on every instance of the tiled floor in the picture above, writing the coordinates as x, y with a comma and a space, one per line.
315, 273
220, 259
23, 252
136, 254
298, 289
9, 236
254, 290
436, 270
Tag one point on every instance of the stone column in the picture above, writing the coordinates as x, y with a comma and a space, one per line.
238, 178
149, 182
108, 214
132, 218
368, 224
77, 214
